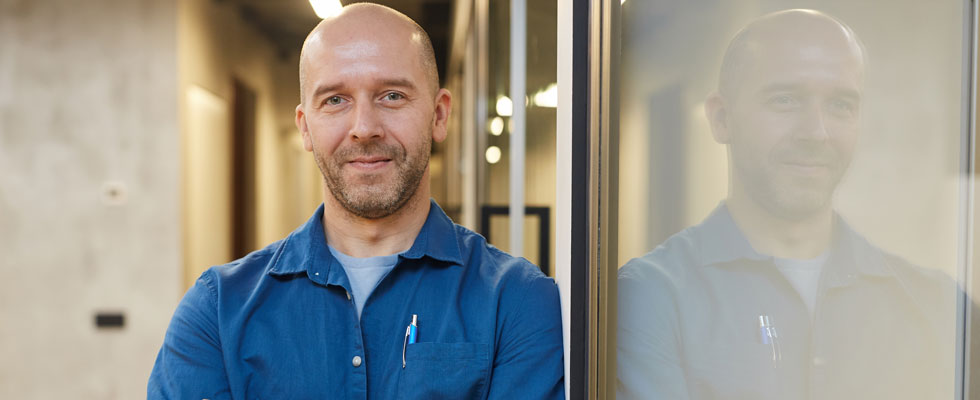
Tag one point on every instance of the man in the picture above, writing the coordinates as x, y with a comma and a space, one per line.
773, 296
379, 295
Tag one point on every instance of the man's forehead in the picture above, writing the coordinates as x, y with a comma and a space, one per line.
357, 49
364, 54
803, 56
360, 42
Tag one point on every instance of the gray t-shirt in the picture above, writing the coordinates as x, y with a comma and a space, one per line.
364, 274
804, 275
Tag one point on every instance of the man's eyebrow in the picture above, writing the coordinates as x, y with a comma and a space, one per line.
790, 87
398, 82
321, 90
850, 94
392, 82
780, 87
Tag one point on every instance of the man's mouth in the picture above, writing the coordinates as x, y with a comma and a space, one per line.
369, 162
808, 167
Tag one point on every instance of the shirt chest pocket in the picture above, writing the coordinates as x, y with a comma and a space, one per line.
444, 371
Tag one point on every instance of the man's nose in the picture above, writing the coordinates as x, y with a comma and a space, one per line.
367, 123
813, 125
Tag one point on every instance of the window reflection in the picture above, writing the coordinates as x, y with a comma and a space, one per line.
782, 291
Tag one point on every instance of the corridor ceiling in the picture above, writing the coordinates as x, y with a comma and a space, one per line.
286, 22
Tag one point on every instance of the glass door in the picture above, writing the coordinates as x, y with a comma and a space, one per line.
778, 199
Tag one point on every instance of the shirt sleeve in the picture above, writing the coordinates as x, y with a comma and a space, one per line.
529, 363
648, 359
189, 364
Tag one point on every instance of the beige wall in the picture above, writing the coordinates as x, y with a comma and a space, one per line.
215, 46
87, 103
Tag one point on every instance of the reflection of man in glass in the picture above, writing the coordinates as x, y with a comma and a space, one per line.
773, 296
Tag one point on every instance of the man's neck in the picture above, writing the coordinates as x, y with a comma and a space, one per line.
363, 237
799, 238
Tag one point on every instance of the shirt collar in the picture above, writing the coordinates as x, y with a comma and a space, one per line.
305, 249
722, 241
437, 239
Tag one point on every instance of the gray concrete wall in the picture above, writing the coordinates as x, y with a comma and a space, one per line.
88, 97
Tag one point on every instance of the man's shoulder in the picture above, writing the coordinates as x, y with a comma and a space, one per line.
245, 271
926, 285
493, 265
670, 259
869, 256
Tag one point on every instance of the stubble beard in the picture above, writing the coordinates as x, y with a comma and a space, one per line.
374, 196
790, 197
792, 202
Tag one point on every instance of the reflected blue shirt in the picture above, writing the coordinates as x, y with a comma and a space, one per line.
689, 323
279, 323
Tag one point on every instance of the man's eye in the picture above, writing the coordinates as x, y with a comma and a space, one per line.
782, 101
333, 100
393, 96
843, 107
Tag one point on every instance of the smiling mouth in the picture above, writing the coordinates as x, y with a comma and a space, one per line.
369, 163
808, 168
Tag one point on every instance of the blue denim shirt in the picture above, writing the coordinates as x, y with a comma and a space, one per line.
280, 324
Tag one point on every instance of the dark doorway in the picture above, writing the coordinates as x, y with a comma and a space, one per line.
243, 171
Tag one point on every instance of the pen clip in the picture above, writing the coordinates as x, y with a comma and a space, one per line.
410, 334
768, 335
405, 344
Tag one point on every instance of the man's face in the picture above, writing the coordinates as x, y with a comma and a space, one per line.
792, 124
369, 114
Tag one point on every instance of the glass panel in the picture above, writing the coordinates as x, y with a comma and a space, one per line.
540, 140
789, 191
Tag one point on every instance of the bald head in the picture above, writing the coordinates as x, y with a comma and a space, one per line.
805, 33
788, 108
365, 22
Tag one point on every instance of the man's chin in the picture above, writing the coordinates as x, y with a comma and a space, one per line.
370, 204
800, 204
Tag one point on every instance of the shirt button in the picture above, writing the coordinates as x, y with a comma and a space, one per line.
356, 362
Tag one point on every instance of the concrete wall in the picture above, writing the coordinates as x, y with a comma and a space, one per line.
88, 95
114, 125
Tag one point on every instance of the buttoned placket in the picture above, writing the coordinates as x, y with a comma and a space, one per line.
830, 281
818, 362
813, 349
356, 359
357, 356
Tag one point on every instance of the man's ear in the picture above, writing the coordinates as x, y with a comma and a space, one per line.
716, 111
304, 130
440, 118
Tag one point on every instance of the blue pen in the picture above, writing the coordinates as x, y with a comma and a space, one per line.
768, 335
413, 329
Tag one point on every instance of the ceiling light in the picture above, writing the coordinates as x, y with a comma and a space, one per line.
493, 154
326, 8
547, 97
505, 107
496, 126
